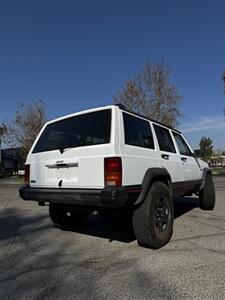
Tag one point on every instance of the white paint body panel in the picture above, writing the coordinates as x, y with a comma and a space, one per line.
86, 163
136, 160
88, 171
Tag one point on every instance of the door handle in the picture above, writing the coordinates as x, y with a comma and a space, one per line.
165, 156
61, 165
184, 159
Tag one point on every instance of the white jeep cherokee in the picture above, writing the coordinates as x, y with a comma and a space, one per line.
110, 157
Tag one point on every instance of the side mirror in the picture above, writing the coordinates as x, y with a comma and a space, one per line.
197, 152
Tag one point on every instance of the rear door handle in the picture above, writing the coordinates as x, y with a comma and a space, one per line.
61, 165
165, 156
184, 159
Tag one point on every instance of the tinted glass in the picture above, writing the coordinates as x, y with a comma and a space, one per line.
164, 139
137, 132
84, 130
182, 146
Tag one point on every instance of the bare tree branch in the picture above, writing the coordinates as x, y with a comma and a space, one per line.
3, 130
151, 93
24, 128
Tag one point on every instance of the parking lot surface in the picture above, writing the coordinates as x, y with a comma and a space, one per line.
103, 260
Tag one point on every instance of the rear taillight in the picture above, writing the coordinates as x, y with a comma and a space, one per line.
27, 175
113, 171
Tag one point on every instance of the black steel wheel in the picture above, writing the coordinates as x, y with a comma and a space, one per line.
153, 219
161, 214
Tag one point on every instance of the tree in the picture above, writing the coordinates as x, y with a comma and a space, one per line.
152, 94
2, 133
24, 128
2, 130
223, 78
206, 148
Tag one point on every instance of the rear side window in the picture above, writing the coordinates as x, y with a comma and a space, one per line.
182, 146
84, 130
164, 139
137, 132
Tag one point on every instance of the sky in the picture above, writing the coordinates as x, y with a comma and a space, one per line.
76, 55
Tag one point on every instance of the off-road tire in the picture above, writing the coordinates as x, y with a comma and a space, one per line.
207, 196
147, 223
67, 217
106, 214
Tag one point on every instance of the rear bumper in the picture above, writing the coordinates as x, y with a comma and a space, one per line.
107, 197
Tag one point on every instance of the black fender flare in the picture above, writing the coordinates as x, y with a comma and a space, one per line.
204, 173
150, 176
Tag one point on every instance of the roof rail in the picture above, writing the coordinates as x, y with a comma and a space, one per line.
123, 107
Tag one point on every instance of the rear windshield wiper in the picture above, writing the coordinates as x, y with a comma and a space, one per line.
62, 150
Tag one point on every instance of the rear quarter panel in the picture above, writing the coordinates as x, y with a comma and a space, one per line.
136, 160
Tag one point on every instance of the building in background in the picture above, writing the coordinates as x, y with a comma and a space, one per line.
11, 161
217, 160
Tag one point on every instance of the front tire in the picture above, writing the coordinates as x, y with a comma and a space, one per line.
153, 219
67, 217
207, 196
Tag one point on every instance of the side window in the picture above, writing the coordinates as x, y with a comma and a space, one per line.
164, 139
182, 146
137, 132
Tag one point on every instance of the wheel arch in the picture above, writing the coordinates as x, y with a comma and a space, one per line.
152, 175
205, 172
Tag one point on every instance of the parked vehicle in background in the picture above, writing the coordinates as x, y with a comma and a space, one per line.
21, 173
109, 158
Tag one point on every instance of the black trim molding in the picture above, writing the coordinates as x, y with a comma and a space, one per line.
185, 187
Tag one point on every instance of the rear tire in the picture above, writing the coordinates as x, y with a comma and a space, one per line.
67, 217
106, 214
207, 196
153, 219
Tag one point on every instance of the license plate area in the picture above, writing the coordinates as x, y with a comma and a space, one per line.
68, 172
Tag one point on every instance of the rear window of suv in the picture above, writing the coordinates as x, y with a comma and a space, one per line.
137, 132
83, 130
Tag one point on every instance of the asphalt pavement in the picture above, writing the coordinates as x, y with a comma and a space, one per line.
103, 260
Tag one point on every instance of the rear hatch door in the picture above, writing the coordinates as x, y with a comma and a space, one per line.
70, 152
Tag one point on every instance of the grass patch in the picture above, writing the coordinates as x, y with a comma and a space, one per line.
15, 179
218, 171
